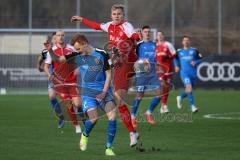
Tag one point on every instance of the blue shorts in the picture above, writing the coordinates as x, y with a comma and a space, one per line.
147, 82
89, 102
189, 80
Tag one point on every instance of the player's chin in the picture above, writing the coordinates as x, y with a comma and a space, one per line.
117, 21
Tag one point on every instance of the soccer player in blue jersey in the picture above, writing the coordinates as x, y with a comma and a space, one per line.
146, 80
94, 80
51, 92
186, 62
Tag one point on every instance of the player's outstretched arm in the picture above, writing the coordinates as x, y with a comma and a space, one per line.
87, 22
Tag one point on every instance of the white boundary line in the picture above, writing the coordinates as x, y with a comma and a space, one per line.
224, 116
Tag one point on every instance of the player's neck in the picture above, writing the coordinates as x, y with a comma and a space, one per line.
118, 23
88, 50
60, 45
146, 40
186, 47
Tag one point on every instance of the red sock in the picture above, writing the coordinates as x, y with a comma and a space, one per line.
126, 117
165, 96
72, 115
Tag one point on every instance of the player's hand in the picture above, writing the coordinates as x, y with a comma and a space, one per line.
177, 69
76, 18
47, 45
193, 63
101, 96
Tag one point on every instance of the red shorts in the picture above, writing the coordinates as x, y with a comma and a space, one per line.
166, 77
122, 76
67, 91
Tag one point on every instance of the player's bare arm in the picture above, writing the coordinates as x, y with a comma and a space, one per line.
46, 70
39, 64
106, 86
87, 22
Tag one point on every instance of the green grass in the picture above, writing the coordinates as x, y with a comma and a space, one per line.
28, 131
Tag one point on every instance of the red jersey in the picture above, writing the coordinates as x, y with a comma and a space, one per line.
65, 70
121, 35
165, 49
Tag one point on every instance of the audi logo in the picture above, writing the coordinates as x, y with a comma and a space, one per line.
219, 71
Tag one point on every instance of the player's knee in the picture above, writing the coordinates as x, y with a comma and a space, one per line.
77, 104
140, 96
52, 96
188, 88
111, 115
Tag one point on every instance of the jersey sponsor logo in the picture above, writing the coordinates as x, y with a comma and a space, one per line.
219, 71
97, 60
191, 52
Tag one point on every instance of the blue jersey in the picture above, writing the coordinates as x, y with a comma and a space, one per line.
92, 69
146, 50
183, 60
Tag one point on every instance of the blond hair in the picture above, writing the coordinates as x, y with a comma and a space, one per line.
118, 6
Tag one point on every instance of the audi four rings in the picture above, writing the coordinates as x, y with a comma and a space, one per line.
219, 71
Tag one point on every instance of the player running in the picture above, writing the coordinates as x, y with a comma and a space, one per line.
121, 34
146, 80
51, 92
165, 53
186, 61
95, 79
65, 91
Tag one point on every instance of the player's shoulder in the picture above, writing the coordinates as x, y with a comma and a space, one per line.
44, 51
153, 43
193, 48
139, 43
127, 25
102, 52
179, 49
168, 43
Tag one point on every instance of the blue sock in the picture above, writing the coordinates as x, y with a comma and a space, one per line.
112, 127
190, 98
88, 127
55, 105
155, 101
183, 95
135, 106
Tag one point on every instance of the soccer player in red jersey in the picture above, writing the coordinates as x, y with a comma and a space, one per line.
122, 35
165, 52
68, 90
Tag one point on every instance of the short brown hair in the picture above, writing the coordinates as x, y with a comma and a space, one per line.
118, 6
80, 38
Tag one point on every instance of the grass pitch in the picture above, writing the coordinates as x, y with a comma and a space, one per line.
28, 130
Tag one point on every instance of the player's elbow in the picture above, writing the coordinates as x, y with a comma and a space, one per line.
135, 36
